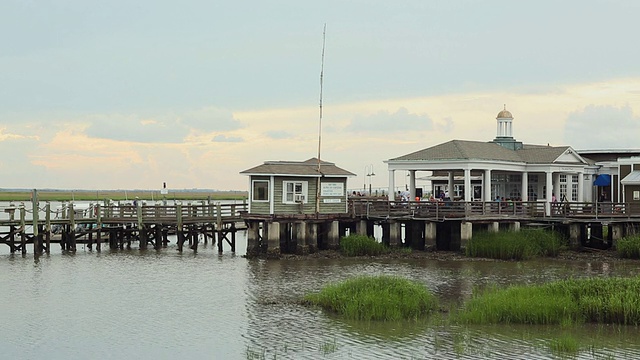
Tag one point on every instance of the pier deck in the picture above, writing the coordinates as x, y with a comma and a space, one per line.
119, 225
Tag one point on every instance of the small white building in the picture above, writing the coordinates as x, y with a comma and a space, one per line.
505, 168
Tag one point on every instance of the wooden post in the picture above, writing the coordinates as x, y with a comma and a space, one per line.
48, 227
37, 247
158, 237
23, 235
194, 237
90, 240
179, 233
165, 236
233, 237
99, 226
113, 238
142, 231
72, 229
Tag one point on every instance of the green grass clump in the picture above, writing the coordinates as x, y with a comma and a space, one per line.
515, 245
564, 345
384, 298
360, 245
596, 300
629, 247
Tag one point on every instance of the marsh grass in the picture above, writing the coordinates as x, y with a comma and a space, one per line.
564, 345
328, 347
384, 298
629, 247
593, 300
361, 245
515, 245
255, 354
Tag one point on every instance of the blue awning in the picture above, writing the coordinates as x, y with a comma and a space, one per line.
602, 180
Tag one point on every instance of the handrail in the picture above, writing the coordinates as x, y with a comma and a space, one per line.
126, 212
439, 210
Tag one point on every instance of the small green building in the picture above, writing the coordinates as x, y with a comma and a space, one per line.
291, 188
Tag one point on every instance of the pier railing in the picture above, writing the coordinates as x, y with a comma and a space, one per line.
440, 210
116, 213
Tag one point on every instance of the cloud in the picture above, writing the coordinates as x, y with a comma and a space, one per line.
224, 138
384, 121
278, 134
134, 129
599, 127
4, 136
211, 119
160, 129
445, 126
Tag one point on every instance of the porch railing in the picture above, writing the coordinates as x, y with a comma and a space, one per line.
438, 210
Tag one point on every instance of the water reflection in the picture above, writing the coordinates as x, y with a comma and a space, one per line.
166, 304
279, 327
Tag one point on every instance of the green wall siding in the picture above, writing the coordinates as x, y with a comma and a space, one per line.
304, 208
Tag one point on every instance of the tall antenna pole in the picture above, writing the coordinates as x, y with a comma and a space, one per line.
324, 31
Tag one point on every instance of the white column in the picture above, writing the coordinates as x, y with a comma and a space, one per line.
580, 187
556, 186
450, 185
486, 185
547, 195
392, 185
412, 185
468, 191
525, 186
498, 128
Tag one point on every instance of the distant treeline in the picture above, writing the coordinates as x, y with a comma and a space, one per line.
99, 195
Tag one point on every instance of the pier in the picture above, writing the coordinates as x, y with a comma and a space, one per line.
120, 225
439, 225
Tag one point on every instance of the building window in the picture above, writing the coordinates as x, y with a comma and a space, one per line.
574, 179
563, 178
636, 195
563, 191
533, 178
532, 194
294, 192
515, 178
260, 190
458, 191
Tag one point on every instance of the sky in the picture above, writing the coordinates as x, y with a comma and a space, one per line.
132, 94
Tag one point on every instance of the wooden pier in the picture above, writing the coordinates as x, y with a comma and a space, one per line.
439, 225
120, 225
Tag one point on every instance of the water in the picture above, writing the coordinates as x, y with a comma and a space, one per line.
152, 304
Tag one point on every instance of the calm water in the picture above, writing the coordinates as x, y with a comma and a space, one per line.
166, 305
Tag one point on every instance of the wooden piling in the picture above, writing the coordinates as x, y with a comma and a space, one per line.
23, 234
48, 226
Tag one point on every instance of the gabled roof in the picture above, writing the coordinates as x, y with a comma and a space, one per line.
463, 150
478, 150
308, 168
535, 154
632, 179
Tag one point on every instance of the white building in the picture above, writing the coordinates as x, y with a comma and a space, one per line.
509, 169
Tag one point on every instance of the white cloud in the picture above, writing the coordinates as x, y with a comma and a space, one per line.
224, 138
210, 119
384, 121
602, 126
278, 134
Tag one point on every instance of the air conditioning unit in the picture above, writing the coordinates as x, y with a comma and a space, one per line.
298, 198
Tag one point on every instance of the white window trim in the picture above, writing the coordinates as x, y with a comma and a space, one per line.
268, 191
305, 191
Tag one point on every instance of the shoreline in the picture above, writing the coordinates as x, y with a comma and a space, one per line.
586, 254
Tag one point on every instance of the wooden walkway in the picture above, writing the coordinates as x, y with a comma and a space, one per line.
120, 225
373, 208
